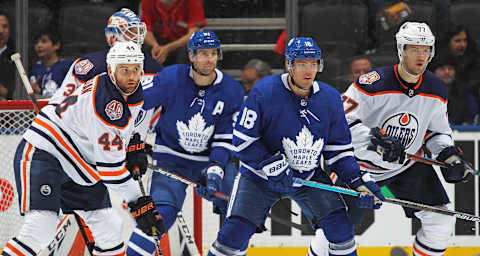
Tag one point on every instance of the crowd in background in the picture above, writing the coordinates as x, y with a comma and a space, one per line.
169, 24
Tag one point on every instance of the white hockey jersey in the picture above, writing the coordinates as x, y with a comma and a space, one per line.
414, 113
88, 133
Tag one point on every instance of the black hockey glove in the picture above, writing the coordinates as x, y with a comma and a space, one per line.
459, 169
370, 194
136, 157
391, 149
211, 181
147, 217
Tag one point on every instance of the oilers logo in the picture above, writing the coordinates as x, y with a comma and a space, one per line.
403, 126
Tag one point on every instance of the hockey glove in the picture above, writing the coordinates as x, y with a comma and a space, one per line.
459, 169
370, 194
136, 157
211, 181
147, 217
279, 173
390, 148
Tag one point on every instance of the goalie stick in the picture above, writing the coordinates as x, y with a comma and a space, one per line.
302, 227
409, 204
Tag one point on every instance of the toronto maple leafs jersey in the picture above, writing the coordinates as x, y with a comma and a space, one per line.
88, 133
196, 123
273, 119
49, 78
90, 65
416, 114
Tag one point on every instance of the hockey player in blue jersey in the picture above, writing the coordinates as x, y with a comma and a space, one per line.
194, 131
403, 108
286, 124
123, 25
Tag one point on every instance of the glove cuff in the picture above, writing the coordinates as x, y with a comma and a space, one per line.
447, 152
216, 169
360, 180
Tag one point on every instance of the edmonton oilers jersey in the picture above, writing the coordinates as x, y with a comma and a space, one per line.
416, 114
196, 123
273, 119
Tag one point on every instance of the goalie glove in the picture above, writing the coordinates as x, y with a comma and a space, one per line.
147, 217
137, 160
211, 181
279, 173
458, 170
370, 194
390, 148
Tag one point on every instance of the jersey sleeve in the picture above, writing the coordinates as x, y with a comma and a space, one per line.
440, 133
158, 89
247, 133
69, 84
338, 149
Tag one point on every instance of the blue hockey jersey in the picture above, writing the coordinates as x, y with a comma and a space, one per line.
196, 123
274, 119
49, 78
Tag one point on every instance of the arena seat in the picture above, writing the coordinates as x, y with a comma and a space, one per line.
466, 13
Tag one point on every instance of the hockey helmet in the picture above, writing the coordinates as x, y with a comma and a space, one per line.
303, 48
125, 25
204, 40
415, 33
123, 53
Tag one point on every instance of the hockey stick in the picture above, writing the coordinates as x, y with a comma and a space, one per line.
302, 227
26, 83
413, 205
427, 160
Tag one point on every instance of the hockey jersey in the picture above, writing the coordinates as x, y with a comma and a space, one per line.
416, 114
49, 78
90, 65
273, 119
88, 133
196, 123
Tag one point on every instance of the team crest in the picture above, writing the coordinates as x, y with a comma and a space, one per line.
140, 117
369, 78
303, 154
45, 190
403, 126
194, 137
114, 110
83, 67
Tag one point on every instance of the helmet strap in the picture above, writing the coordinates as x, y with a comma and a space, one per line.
294, 83
410, 75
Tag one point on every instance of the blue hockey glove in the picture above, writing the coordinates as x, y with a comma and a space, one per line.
390, 148
280, 175
211, 181
370, 194
459, 169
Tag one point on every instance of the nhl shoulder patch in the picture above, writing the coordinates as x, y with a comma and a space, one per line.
369, 78
114, 110
83, 67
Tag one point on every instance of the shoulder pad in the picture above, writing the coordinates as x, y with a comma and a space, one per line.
369, 78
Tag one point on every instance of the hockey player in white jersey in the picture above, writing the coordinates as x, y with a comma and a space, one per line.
73, 147
397, 109
286, 124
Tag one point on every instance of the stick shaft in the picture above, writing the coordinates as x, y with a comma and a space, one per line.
26, 83
427, 160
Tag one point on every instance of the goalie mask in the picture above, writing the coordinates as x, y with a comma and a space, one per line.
123, 53
303, 48
125, 25
415, 33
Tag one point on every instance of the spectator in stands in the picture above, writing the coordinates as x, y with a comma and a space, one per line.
49, 71
7, 67
462, 105
170, 23
253, 71
359, 66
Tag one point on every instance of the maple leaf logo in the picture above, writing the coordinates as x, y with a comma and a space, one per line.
194, 137
303, 154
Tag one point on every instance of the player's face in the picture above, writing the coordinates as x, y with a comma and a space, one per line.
304, 71
205, 60
459, 43
127, 77
45, 48
360, 67
446, 73
415, 58
4, 30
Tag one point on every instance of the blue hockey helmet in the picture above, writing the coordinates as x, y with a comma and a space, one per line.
204, 40
303, 48
125, 25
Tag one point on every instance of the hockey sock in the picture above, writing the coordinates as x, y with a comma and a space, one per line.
339, 232
169, 215
319, 244
140, 244
233, 238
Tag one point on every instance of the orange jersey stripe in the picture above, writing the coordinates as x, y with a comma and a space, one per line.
419, 252
115, 173
70, 150
24, 172
15, 250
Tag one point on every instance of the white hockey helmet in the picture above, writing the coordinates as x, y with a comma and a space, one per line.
123, 53
125, 25
415, 33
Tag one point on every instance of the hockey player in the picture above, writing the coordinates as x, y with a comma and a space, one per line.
194, 133
287, 122
397, 109
73, 147
123, 25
